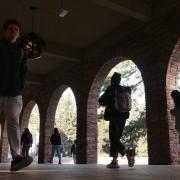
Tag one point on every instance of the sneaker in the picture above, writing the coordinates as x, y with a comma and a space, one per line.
123, 152
130, 154
19, 162
49, 161
113, 164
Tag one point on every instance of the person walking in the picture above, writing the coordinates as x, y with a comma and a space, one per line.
73, 151
13, 68
117, 100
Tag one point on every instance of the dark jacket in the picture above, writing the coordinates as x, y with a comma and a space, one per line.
55, 139
176, 112
13, 68
73, 149
107, 100
26, 138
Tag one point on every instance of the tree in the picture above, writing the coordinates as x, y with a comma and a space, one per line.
66, 119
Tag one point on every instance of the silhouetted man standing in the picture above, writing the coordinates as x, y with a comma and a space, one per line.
26, 142
56, 145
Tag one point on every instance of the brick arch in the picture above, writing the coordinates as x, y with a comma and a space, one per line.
171, 82
50, 118
26, 113
93, 104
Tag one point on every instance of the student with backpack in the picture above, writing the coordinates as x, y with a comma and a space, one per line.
117, 100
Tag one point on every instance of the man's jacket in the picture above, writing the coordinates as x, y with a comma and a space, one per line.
55, 139
13, 68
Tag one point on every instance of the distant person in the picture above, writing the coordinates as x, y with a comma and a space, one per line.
175, 94
56, 145
26, 142
117, 100
36, 149
73, 151
13, 69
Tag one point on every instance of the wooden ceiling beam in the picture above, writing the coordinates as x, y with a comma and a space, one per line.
133, 9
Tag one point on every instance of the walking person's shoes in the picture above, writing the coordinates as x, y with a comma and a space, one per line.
130, 154
20, 162
49, 161
113, 164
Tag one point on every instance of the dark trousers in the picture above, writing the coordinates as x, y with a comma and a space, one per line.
58, 150
25, 150
116, 127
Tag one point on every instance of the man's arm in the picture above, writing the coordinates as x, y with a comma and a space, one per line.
105, 98
23, 70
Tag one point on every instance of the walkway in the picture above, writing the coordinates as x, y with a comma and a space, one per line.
91, 172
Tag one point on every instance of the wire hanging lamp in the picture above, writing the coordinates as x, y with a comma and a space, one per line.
32, 43
62, 12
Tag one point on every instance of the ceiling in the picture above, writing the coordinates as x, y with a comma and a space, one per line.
87, 22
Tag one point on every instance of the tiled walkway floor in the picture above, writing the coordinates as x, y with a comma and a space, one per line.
88, 172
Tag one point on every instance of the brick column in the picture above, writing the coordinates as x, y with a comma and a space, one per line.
156, 113
48, 104
171, 81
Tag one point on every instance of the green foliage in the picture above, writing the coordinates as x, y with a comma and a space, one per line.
103, 137
66, 119
142, 146
134, 130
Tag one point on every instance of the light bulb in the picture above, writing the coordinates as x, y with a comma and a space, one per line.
63, 12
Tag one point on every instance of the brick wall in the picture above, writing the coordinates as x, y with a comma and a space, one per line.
171, 81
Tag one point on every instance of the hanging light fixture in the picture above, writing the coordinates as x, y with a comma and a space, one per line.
32, 43
62, 12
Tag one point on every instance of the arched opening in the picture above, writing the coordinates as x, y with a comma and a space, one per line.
173, 83
34, 127
65, 117
135, 133
99, 82
31, 120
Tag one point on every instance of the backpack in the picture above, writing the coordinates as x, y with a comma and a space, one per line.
122, 99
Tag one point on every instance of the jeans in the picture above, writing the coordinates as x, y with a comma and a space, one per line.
57, 149
74, 157
11, 107
25, 150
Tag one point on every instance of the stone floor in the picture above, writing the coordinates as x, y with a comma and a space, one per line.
89, 172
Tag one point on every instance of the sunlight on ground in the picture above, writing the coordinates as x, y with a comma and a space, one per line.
106, 160
103, 160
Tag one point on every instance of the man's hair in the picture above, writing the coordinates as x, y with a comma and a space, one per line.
9, 22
